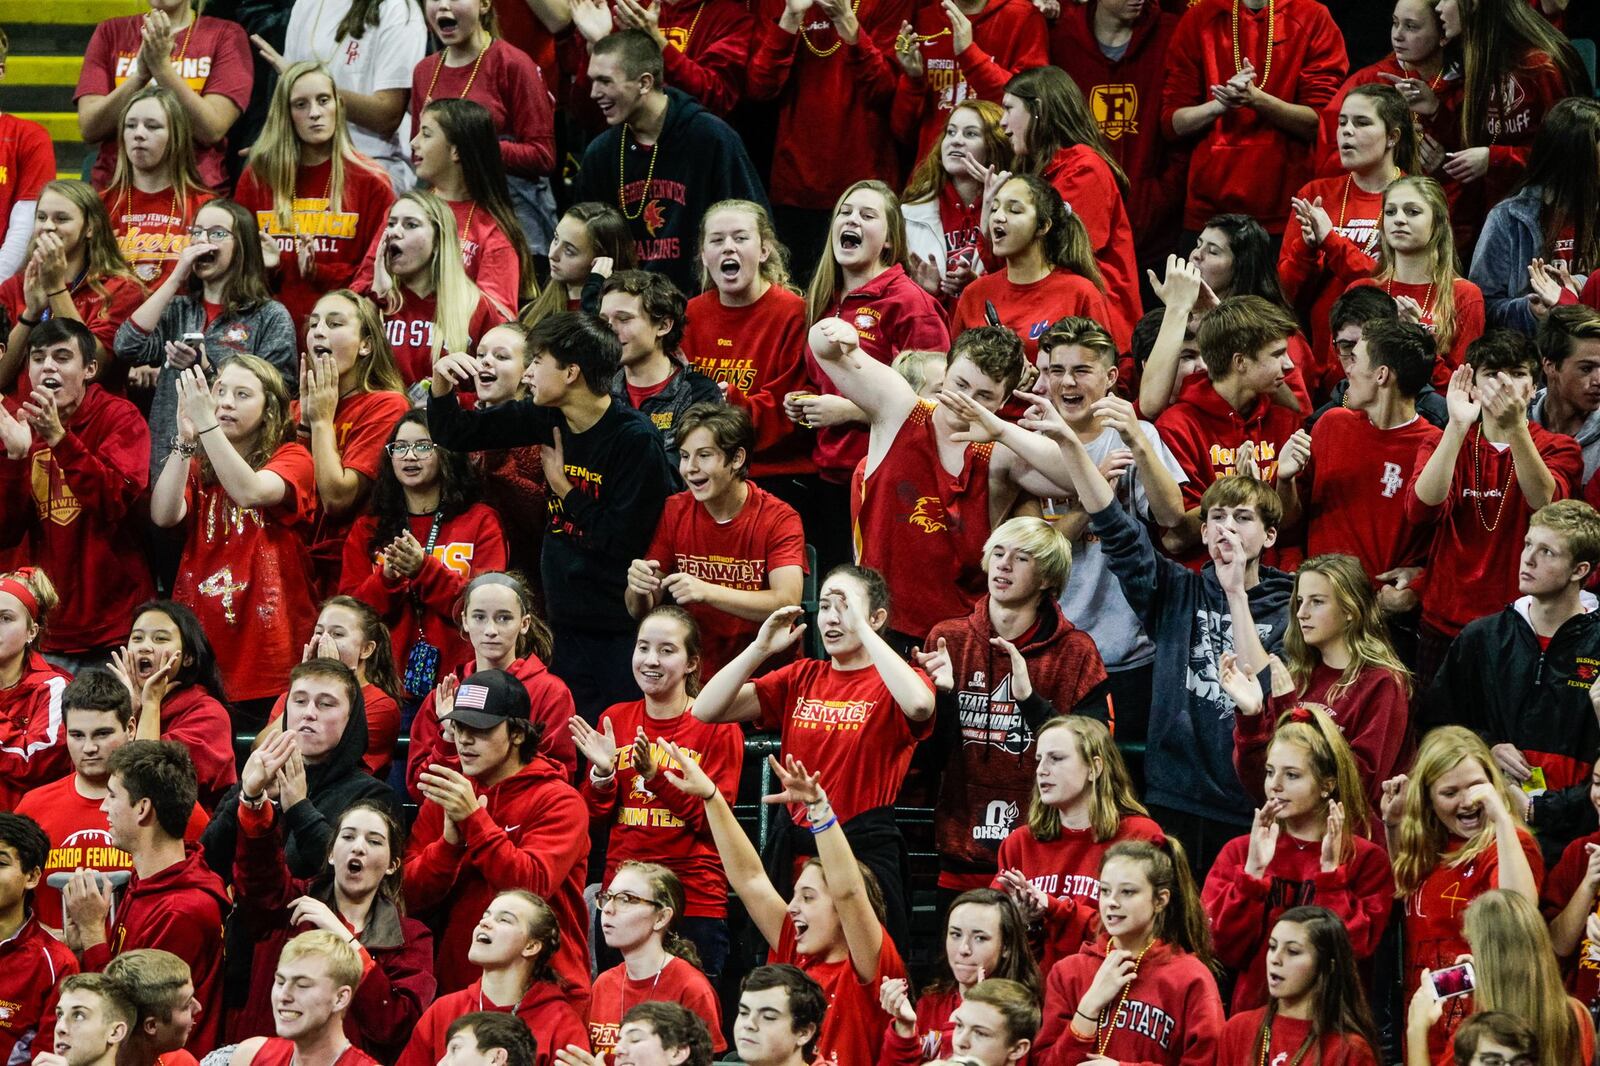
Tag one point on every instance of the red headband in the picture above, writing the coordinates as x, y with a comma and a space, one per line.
22, 592
1301, 715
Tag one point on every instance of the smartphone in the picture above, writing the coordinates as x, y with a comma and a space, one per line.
1454, 981
194, 340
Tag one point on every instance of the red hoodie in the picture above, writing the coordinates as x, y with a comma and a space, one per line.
1090, 189
33, 737
193, 717
74, 505
1446, 85
181, 910
1171, 1013
892, 313
1243, 163
552, 706
545, 1009
1241, 1043
1124, 96
468, 543
1008, 37
533, 835
1243, 909
1205, 434
32, 964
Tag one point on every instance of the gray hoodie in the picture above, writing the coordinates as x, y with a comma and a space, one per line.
1588, 435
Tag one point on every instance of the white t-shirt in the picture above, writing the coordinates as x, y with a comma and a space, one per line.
383, 58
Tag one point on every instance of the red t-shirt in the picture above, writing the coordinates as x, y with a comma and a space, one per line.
658, 823
1031, 309
739, 554
615, 993
411, 332
102, 312
506, 82
152, 228
213, 58
1478, 529
1241, 1043
27, 162
488, 254
341, 237
1469, 320
845, 727
758, 353
246, 574
78, 836
1354, 487
1433, 917
638, 394
852, 1030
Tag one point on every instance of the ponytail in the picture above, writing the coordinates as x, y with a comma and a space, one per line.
666, 892
1332, 761
538, 640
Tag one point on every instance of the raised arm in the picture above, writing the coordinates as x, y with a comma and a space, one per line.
244, 485
729, 696
338, 486
1180, 291
883, 395
911, 691
1433, 482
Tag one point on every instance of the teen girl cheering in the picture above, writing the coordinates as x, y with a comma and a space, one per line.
943, 201
589, 235
318, 202
33, 748
1083, 803
155, 189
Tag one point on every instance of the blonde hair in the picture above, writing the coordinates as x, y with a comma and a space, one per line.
1517, 971
102, 258
44, 592
179, 161
1443, 268
1051, 552
1418, 845
1366, 635
1114, 794
379, 372
344, 965
1576, 523
275, 157
827, 284
277, 428
775, 271
456, 296
913, 363
1333, 763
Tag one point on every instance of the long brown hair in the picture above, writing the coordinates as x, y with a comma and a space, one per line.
1565, 164
1016, 956
277, 428
1058, 117
608, 232
1061, 232
1183, 920
1517, 972
380, 668
102, 258
469, 129
1339, 1005
1396, 117
1499, 37
390, 888
1115, 798
1366, 636
246, 287
929, 176
378, 373
179, 160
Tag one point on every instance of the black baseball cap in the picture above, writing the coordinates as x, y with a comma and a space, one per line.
488, 698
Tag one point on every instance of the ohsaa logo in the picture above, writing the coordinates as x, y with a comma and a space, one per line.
998, 818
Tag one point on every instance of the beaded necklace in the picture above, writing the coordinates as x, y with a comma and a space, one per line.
1266, 63
476, 63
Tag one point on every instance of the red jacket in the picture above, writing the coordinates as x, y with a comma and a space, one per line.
1172, 1014
550, 1018
1243, 909
193, 717
74, 506
1242, 163
1124, 96
1090, 188
396, 951
1241, 1043
33, 737
534, 835
552, 706
468, 543
1008, 37
32, 964
181, 910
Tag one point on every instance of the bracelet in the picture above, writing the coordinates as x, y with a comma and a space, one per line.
252, 801
825, 826
1086, 1017
185, 449
58, 292
31, 323
208, 429
602, 781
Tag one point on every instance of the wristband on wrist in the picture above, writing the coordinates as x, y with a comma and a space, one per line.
825, 826
254, 802
1091, 1019
58, 292
29, 322
598, 779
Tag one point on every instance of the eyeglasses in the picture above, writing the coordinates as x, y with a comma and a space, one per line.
1492, 1059
214, 236
621, 899
402, 448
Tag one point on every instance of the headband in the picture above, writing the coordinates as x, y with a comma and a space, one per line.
22, 592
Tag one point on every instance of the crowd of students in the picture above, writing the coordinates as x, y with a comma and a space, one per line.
423, 474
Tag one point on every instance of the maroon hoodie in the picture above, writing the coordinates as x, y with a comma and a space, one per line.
180, 910
533, 835
1171, 1013
193, 717
988, 734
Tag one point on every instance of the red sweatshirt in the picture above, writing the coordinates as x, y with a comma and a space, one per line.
396, 951
181, 910
544, 1007
708, 50
552, 705
1313, 278
1008, 37
853, 1027
759, 353
814, 162
1373, 715
892, 313
532, 835
1241, 1043
468, 543
76, 507
102, 311
341, 237
32, 964
1067, 869
615, 993
1469, 320
1124, 96
1029, 310
1242, 163
1172, 1013
934, 1036
510, 86
1205, 434
1243, 909
1090, 189
1582, 968
659, 823
193, 717
1478, 529
33, 736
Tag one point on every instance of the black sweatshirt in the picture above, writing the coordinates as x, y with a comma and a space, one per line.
620, 481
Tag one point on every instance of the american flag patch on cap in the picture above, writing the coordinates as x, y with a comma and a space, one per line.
473, 697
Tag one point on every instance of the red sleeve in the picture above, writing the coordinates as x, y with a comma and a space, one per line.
531, 150
1297, 260
553, 705
772, 59
109, 478
262, 884
393, 993
208, 734
1381, 733
499, 270
922, 328
1182, 443
1326, 63
1564, 879
439, 586
360, 574
233, 65
362, 448
1344, 258
772, 693
1062, 990
1185, 85
1251, 734
663, 546
786, 543
1469, 327
35, 163
544, 852
97, 78
900, 1050
1563, 457
422, 1048
1237, 905
123, 297
715, 75
427, 747
910, 104
1361, 893
292, 463
434, 863
1417, 511
876, 73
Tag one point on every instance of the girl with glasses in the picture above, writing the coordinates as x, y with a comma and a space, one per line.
155, 189
218, 289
